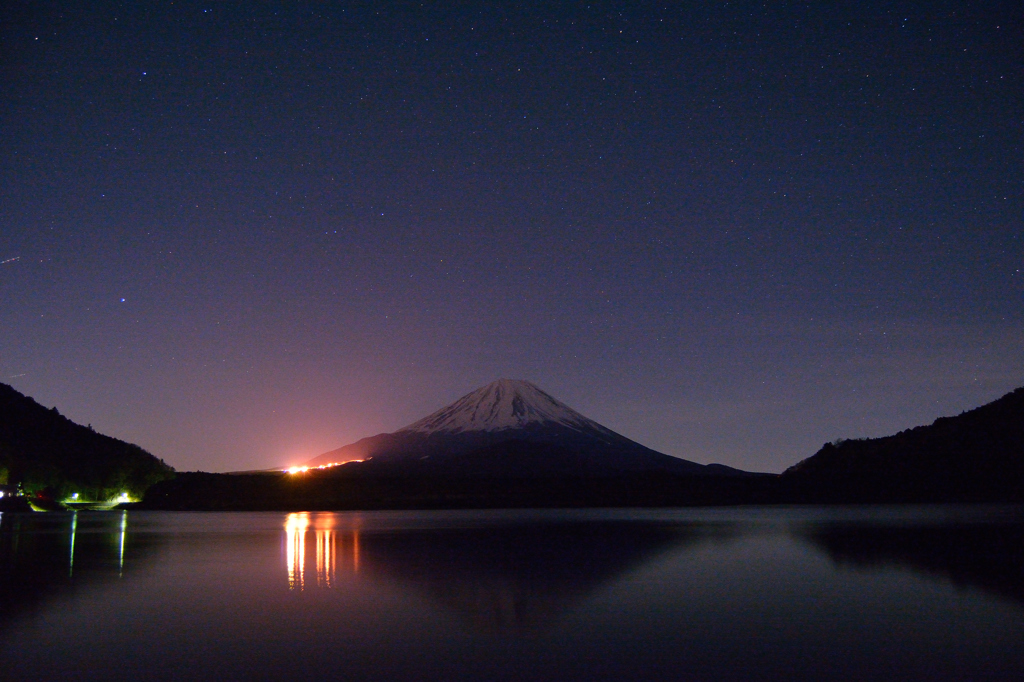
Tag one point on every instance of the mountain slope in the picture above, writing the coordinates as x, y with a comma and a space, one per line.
977, 455
501, 405
508, 428
42, 450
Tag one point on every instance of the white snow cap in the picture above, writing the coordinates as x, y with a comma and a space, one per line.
502, 404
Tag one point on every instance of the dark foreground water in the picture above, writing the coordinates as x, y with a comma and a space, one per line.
775, 594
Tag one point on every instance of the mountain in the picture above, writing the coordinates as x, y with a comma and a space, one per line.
45, 452
975, 456
509, 428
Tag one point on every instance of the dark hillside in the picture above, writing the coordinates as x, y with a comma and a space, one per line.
353, 486
975, 456
43, 451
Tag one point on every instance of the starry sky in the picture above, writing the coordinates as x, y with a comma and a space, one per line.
241, 234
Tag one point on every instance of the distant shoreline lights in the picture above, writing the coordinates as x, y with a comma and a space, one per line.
304, 469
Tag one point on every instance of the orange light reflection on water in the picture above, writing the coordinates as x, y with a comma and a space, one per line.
332, 547
325, 557
295, 549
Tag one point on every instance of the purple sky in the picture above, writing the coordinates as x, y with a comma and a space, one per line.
242, 234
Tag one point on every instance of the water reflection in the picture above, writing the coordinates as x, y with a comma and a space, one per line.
497, 577
616, 594
332, 547
120, 545
295, 549
989, 557
44, 555
71, 558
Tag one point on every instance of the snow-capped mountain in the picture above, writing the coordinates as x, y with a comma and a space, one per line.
501, 405
507, 428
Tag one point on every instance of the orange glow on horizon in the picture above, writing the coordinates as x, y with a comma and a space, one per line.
304, 469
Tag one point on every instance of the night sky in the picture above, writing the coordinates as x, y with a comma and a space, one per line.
242, 234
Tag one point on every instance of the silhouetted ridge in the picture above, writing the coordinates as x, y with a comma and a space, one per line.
46, 452
977, 455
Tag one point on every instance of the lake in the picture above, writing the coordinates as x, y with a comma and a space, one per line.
907, 593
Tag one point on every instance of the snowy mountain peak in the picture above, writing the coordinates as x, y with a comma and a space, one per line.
500, 405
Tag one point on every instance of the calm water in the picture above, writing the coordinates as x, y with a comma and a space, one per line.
773, 594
